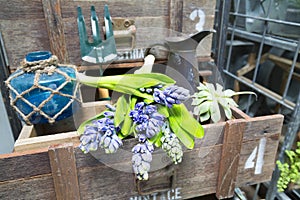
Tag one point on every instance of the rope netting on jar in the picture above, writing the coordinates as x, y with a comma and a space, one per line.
48, 66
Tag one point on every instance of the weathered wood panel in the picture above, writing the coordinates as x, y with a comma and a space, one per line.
23, 165
199, 15
261, 170
51, 24
240, 151
176, 9
23, 36
35, 188
117, 8
21, 9
266, 126
230, 157
64, 172
197, 175
55, 27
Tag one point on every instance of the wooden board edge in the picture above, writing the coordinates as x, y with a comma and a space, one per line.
46, 141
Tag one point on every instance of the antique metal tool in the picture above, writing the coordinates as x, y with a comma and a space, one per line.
98, 51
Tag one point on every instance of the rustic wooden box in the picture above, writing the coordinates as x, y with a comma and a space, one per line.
234, 153
51, 24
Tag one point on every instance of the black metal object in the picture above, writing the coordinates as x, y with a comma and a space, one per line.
221, 25
15, 123
292, 129
264, 40
181, 57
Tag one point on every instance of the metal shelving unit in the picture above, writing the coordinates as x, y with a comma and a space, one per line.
228, 23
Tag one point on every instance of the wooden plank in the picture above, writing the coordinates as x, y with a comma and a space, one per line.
263, 89
195, 176
231, 149
45, 141
265, 126
21, 10
213, 135
237, 113
35, 188
199, 15
28, 35
27, 132
176, 9
64, 172
257, 160
55, 27
117, 8
24, 165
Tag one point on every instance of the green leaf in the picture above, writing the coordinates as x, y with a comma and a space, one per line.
202, 87
156, 139
215, 112
196, 110
131, 91
186, 121
229, 93
182, 135
204, 117
81, 128
219, 89
127, 83
204, 107
122, 107
158, 76
127, 126
197, 101
202, 94
133, 101
228, 112
161, 109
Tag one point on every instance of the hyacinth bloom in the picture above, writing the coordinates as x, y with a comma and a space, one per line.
171, 145
147, 119
171, 95
110, 142
90, 139
102, 132
142, 156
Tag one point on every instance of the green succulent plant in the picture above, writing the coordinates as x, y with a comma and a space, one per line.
289, 170
210, 99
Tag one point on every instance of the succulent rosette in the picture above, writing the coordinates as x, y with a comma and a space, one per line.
151, 109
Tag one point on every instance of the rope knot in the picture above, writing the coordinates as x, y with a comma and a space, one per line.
44, 66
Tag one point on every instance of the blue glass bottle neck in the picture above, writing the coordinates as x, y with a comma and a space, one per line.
38, 55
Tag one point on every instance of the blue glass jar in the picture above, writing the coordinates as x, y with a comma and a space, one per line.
40, 96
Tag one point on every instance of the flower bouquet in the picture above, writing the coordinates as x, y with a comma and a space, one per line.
150, 109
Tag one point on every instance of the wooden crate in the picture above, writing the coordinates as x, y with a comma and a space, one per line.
234, 153
51, 24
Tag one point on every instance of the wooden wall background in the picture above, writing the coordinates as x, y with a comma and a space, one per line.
31, 25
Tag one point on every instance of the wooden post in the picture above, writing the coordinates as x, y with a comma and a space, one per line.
232, 143
55, 28
176, 15
64, 172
